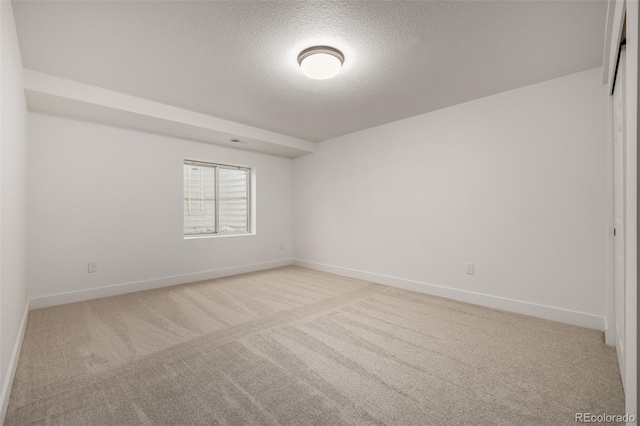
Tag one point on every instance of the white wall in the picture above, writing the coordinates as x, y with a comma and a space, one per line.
13, 286
114, 196
515, 183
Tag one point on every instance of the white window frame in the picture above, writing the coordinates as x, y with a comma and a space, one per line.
217, 167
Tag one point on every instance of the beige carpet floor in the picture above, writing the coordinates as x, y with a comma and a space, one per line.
298, 347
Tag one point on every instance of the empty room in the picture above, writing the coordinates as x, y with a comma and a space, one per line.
318, 212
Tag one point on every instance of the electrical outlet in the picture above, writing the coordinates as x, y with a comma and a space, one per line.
92, 267
470, 268
281, 246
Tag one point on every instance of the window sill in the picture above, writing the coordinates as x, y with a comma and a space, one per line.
200, 237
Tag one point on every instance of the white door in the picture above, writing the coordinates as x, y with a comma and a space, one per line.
619, 144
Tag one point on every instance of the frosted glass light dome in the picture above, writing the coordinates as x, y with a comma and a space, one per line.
320, 62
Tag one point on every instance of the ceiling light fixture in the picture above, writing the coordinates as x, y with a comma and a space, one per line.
320, 62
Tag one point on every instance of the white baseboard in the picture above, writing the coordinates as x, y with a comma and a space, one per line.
609, 332
13, 364
117, 289
517, 306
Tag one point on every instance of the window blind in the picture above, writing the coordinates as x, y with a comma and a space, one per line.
233, 200
199, 199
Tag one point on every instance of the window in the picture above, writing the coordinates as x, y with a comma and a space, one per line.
216, 199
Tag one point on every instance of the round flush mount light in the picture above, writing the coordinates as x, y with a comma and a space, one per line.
320, 62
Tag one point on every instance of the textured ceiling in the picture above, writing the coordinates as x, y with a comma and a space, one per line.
237, 59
